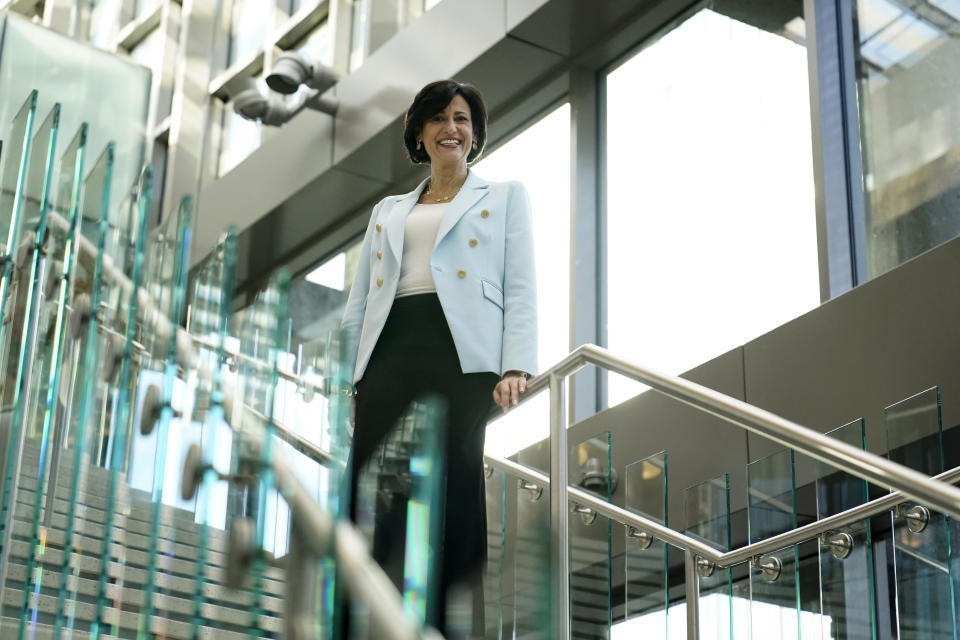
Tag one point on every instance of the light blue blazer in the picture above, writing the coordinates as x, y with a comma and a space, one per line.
483, 270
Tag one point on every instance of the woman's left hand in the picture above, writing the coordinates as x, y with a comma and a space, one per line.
508, 390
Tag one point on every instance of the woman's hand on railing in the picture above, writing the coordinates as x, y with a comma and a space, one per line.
507, 392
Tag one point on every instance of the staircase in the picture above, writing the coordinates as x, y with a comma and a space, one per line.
225, 613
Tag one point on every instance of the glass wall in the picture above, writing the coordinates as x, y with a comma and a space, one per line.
711, 222
539, 157
376, 21
908, 72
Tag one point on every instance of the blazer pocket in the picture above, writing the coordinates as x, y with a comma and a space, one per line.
492, 293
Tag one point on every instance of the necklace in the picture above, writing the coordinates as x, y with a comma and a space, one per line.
429, 194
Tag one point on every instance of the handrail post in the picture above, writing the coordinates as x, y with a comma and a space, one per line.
559, 523
300, 602
692, 588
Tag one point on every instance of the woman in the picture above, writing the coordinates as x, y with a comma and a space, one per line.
444, 300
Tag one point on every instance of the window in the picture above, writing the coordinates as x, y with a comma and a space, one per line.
711, 224
908, 65
376, 21
239, 137
149, 52
539, 157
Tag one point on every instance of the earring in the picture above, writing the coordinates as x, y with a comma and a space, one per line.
419, 144
474, 144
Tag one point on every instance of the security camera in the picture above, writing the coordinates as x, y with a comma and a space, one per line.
291, 70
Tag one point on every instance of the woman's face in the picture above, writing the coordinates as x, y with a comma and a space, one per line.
448, 136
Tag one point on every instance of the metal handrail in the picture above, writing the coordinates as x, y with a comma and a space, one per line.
694, 545
934, 493
912, 484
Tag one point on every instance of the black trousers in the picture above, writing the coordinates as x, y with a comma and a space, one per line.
414, 357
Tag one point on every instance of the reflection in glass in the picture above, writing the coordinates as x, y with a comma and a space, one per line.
772, 509
922, 558
647, 566
711, 223
591, 562
847, 584
708, 519
907, 71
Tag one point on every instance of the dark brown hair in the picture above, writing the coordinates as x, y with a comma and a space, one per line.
433, 99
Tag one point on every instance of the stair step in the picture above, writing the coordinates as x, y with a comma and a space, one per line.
84, 613
176, 577
220, 604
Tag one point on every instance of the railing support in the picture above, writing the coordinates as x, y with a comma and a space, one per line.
301, 600
692, 588
559, 523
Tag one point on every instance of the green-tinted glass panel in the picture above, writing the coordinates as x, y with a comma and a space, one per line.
591, 563
771, 509
262, 339
422, 562
156, 455
27, 453
210, 308
708, 519
119, 517
45, 400
646, 568
80, 514
846, 583
16, 153
923, 573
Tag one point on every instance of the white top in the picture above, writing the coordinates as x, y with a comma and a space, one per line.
419, 236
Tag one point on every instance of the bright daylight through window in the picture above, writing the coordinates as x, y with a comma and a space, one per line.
711, 227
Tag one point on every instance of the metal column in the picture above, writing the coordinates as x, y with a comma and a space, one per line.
692, 589
559, 524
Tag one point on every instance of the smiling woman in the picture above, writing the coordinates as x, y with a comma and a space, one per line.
444, 303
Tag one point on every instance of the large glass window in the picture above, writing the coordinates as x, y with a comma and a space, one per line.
711, 223
539, 157
908, 68
150, 53
239, 137
376, 21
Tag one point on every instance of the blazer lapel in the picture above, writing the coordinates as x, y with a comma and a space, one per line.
473, 190
397, 220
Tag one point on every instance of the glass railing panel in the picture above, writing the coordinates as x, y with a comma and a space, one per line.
647, 561
846, 554
921, 539
498, 606
400, 506
522, 435
16, 154
210, 308
24, 477
41, 405
591, 563
707, 507
262, 340
159, 444
80, 514
771, 509
123, 356
423, 560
